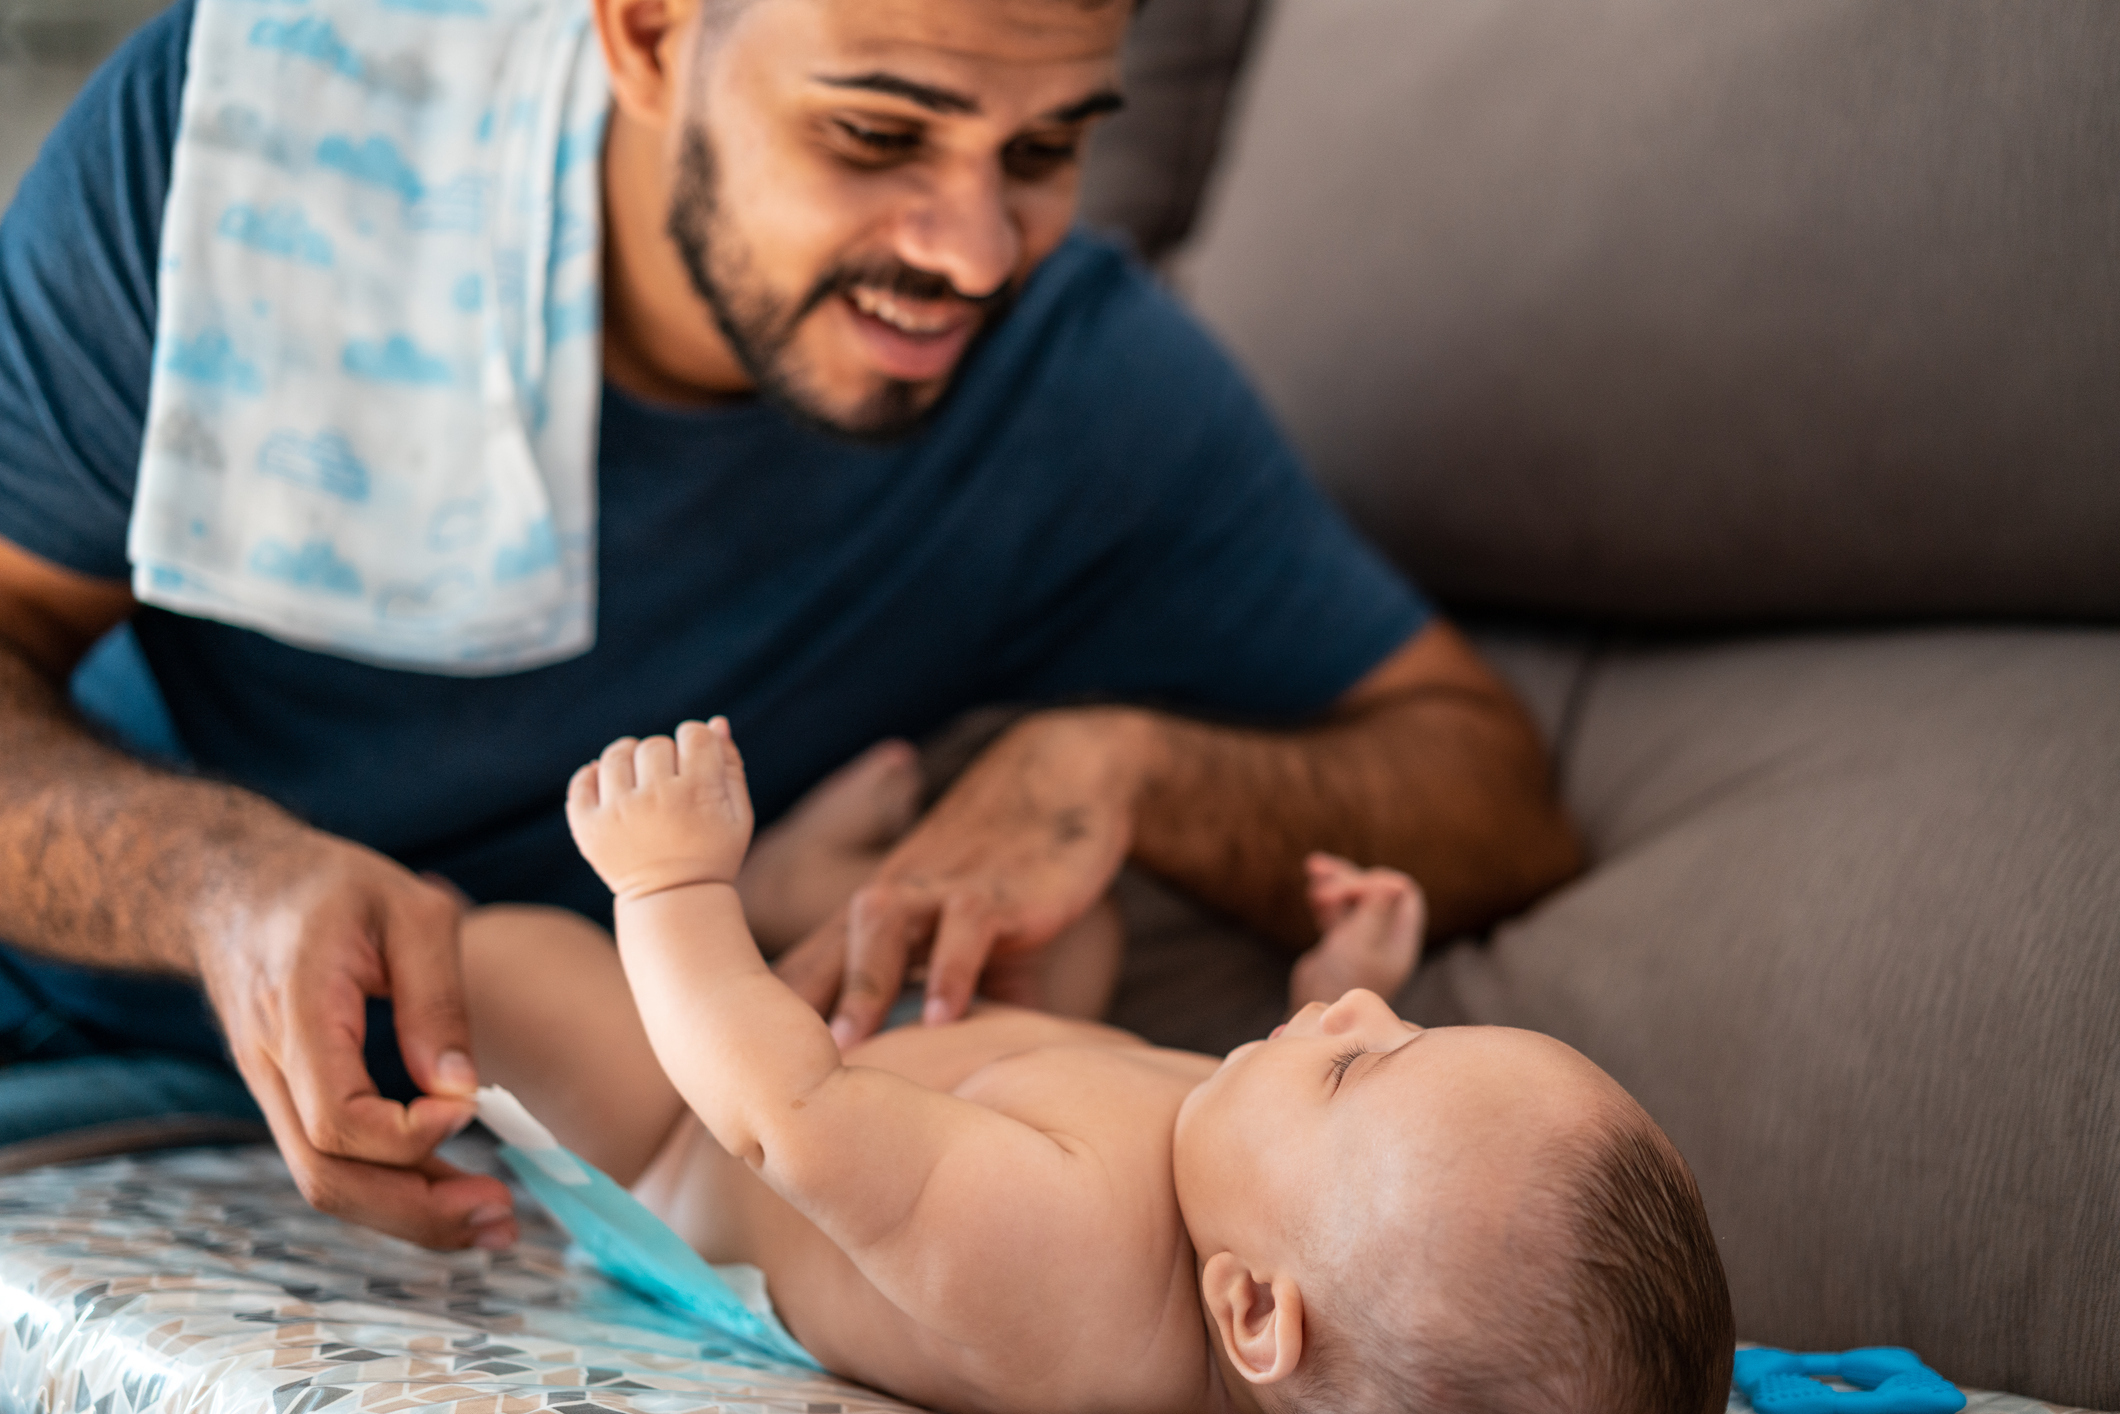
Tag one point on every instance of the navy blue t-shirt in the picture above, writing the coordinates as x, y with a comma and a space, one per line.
1100, 508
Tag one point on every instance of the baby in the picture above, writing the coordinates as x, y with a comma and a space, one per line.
1024, 1212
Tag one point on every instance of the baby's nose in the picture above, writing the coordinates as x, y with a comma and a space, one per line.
1354, 1008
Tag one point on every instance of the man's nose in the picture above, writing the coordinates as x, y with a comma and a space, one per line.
960, 227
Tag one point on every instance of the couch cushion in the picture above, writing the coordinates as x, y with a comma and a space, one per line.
1148, 166
1853, 937
1693, 312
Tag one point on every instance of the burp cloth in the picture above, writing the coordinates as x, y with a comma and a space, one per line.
371, 424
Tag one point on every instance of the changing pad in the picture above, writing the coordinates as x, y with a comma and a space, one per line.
200, 1281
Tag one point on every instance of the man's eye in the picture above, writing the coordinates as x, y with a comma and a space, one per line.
1029, 161
878, 142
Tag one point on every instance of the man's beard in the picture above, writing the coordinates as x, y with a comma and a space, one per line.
760, 327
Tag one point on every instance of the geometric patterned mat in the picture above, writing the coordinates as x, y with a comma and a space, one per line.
198, 1281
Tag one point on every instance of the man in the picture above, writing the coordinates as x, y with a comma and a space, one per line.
879, 441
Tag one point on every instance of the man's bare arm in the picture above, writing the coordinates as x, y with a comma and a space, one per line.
108, 862
1428, 765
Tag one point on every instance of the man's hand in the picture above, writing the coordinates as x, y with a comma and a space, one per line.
108, 862
1028, 839
300, 940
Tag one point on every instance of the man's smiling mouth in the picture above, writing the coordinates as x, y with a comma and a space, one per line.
889, 309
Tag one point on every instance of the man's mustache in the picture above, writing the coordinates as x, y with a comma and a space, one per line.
895, 277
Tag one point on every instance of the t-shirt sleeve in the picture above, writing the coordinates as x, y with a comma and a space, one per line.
1236, 587
79, 248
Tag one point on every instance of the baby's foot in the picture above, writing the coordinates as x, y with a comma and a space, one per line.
1372, 921
810, 862
656, 814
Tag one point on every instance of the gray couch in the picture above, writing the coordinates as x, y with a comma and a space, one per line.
1750, 376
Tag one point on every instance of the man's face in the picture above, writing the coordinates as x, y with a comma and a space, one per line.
862, 185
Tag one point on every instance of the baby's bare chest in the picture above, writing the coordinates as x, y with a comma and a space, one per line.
1123, 1103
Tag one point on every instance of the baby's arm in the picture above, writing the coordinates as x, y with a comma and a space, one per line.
925, 1192
1371, 920
551, 1020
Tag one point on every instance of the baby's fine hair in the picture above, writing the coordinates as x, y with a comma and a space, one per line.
1638, 1321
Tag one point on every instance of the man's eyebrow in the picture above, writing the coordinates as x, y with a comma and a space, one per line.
952, 103
935, 100
1107, 100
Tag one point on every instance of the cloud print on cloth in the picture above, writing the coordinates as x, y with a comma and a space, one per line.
315, 566
282, 230
324, 463
376, 162
210, 357
308, 38
395, 360
459, 205
375, 314
539, 551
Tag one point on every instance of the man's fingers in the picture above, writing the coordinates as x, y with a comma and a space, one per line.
431, 1203
963, 941
420, 949
882, 924
319, 1061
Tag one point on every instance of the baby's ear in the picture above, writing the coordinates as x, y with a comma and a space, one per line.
1259, 1317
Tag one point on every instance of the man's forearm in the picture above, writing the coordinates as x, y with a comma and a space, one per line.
104, 860
1446, 783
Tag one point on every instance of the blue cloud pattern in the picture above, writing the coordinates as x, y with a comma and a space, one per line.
376, 162
539, 551
315, 566
437, 7
396, 359
570, 318
457, 524
458, 205
324, 463
211, 358
441, 592
308, 38
280, 230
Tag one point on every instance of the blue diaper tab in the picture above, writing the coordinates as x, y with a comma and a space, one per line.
632, 1245
1888, 1380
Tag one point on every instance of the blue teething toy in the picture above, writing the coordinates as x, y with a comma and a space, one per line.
1889, 1380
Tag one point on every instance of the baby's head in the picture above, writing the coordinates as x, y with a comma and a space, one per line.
1460, 1219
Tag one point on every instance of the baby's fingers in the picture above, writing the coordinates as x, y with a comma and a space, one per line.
581, 791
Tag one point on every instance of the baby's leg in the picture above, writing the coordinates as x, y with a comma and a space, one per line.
552, 1020
809, 863
1372, 921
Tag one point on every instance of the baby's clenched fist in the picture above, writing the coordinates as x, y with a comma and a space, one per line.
661, 813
